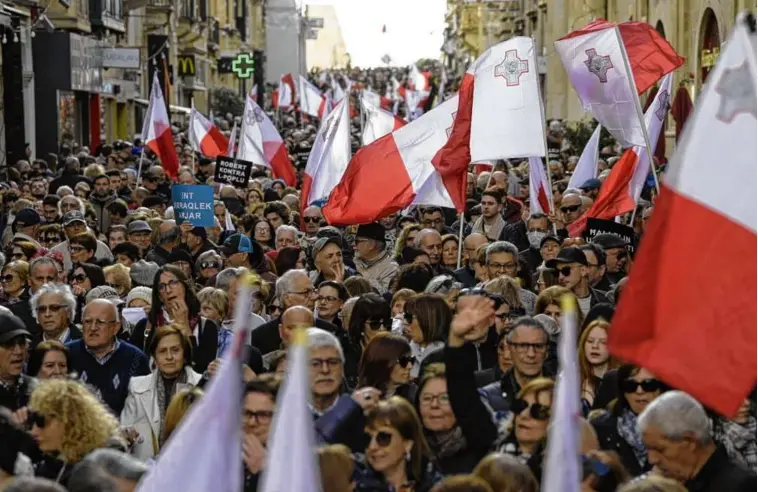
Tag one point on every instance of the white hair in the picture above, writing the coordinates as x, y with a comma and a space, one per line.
674, 414
169, 213
501, 247
62, 290
286, 228
318, 338
64, 191
284, 283
224, 277
422, 234
78, 200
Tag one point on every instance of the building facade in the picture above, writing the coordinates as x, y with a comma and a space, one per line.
285, 39
328, 49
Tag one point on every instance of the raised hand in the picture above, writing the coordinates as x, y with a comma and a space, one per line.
472, 320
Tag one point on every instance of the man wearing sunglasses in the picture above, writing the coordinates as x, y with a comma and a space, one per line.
573, 273
372, 259
570, 210
15, 387
312, 220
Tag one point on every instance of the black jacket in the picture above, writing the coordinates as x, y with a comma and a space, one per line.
607, 390
465, 275
203, 350
533, 258
266, 337
502, 394
68, 178
605, 426
17, 396
515, 234
720, 474
74, 334
158, 255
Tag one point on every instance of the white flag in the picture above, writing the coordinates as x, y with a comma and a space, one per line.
586, 168
232, 141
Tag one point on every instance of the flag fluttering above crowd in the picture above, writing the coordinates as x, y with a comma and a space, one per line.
156, 131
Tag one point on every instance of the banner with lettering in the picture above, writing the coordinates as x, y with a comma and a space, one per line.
193, 204
233, 171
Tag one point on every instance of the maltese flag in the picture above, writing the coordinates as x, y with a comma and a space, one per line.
539, 188
284, 96
156, 131
232, 141
204, 136
379, 122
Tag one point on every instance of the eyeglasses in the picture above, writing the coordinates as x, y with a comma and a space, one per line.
406, 360
260, 416
443, 399
501, 266
76, 248
647, 385
209, 264
563, 271
375, 324
53, 308
311, 220
307, 292
274, 308
524, 347
328, 299
331, 363
382, 439
36, 418
97, 323
79, 278
432, 221
7, 279
570, 208
506, 316
536, 410
170, 284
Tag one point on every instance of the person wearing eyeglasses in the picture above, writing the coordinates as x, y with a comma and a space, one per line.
171, 350
370, 316
67, 422
258, 408
573, 274
15, 282
331, 297
82, 248
22, 250
502, 259
207, 266
54, 308
312, 220
101, 359
616, 427
373, 259
570, 210
433, 218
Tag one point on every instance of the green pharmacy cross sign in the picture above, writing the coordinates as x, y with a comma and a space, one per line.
243, 66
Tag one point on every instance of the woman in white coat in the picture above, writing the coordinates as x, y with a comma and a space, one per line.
149, 396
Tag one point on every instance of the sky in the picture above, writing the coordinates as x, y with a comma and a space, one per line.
414, 29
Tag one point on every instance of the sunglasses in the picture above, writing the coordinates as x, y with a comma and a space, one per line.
570, 208
647, 385
565, 271
406, 360
536, 410
37, 419
375, 324
79, 278
7, 278
382, 439
408, 317
209, 264
53, 308
311, 220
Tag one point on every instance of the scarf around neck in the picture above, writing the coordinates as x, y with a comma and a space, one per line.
626, 425
447, 443
495, 229
165, 390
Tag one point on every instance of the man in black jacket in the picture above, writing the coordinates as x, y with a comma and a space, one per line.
571, 265
466, 274
15, 387
677, 433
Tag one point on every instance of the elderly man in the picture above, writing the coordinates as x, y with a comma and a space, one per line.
26, 225
372, 259
101, 359
169, 236
73, 224
502, 259
430, 242
327, 258
54, 308
294, 288
466, 274
286, 237
677, 434
312, 220
15, 387
570, 210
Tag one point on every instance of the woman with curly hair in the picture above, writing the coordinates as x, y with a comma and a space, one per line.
68, 423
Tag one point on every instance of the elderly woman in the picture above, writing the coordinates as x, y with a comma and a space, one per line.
14, 280
54, 309
117, 276
67, 422
449, 258
214, 303
207, 266
50, 359
149, 396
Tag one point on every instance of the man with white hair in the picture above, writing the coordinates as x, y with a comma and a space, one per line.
286, 237
54, 308
677, 433
430, 242
101, 359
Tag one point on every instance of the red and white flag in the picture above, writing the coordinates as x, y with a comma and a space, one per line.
329, 156
231, 149
499, 113
204, 136
379, 122
260, 143
312, 102
417, 80
539, 188
622, 188
396, 171
156, 131
376, 99
254, 92
337, 92
688, 312
586, 167
285, 95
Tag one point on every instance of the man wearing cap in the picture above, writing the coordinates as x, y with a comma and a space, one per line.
15, 387
26, 225
197, 242
54, 309
372, 259
591, 188
327, 258
138, 233
73, 224
168, 239
571, 266
241, 251
616, 256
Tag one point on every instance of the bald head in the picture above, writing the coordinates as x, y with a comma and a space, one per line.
293, 318
472, 242
169, 233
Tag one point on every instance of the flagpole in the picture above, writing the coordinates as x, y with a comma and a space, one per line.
192, 103
460, 240
139, 168
597, 147
638, 108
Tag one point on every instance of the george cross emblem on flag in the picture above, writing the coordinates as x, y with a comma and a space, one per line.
258, 114
737, 93
250, 118
450, 130
598, 64
663, 105
511, 68
330, 129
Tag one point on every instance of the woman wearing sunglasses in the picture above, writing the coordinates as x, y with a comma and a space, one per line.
370, 316
21, 251
207, 266
51, 235
427, 318
617, 428
15, 282
67, 422
531, 416
386, 365
397, 456
83, 278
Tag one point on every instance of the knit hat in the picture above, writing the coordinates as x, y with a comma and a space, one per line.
103, 292
143, 272
144, 293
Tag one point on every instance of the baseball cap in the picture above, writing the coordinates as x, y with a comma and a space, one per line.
237, 243
138, 226
11, 327
71, 217
321, 244
550, 237
27, 217
571, 254
608, 241
591, 184
374, 231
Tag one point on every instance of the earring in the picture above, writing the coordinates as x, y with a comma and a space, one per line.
407, 456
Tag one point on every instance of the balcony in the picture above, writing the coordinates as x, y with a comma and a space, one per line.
160, 5
107, 14
73, 16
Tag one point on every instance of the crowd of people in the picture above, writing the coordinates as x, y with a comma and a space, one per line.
426, 372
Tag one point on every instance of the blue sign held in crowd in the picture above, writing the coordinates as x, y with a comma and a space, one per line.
193, 204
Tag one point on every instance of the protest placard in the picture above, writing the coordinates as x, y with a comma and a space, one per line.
232, 171
193, 204
601, 226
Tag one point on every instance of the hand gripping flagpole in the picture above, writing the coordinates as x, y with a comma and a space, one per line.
638, 108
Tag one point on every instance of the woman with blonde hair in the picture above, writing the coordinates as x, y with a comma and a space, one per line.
117, 276
505, 473
337, 465
180, 404
214, 303
14, 280
549, 302
594, 359
406, 238
67, 422
653, 483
